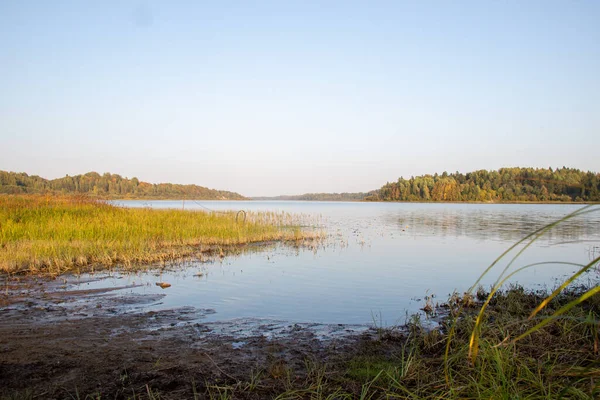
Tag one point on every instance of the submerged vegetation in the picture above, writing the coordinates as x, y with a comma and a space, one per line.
504, 185
108, 186
56, 234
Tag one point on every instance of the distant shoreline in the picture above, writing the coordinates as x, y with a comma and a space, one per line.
515, 185
108, 198
365, 201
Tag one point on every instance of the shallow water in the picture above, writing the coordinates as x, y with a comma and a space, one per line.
378, 264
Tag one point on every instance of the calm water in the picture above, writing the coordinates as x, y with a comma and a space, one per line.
380, 260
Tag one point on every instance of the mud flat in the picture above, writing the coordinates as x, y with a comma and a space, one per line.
57, 343
61, 343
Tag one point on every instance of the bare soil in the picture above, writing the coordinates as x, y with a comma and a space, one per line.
57, 343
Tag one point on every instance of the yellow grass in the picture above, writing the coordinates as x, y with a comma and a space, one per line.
49, 234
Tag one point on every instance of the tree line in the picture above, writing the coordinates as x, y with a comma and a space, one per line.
504, 185
108, 186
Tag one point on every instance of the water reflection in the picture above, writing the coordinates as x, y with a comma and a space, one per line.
493, 224
379, 259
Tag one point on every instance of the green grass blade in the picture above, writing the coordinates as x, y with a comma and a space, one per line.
566, 283
559, 312
474, 340
532, 237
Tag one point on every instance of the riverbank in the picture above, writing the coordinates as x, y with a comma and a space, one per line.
57, 234
59, 343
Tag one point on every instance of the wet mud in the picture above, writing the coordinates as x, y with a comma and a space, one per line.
61, 343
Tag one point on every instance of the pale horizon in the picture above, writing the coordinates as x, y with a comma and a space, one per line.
289, 98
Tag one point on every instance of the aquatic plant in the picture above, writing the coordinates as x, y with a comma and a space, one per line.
54, 234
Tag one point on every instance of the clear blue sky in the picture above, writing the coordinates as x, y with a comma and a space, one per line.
286, 97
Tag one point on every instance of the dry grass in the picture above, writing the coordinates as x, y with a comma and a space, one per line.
49, 234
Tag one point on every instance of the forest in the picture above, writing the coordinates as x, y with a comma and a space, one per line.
504, 185
108, 186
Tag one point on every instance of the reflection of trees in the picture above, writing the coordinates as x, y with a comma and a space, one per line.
494, 224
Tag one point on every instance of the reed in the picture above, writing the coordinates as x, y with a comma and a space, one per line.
50, 234
512, 255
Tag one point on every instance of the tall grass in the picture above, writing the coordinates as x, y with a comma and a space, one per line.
56, 234
564, 309
505, 275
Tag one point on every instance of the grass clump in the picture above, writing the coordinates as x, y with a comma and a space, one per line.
560, 360
50, 234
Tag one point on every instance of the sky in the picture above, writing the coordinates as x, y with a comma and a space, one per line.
289, 97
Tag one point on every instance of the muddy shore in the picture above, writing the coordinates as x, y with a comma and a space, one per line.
57, 343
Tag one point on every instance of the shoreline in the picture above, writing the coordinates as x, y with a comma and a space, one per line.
363, 201
250, 199
58, 343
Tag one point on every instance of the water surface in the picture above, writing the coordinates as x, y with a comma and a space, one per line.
379, 262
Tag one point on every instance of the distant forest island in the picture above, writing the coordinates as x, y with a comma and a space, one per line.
504, 185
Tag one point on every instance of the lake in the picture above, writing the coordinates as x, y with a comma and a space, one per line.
378, 263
